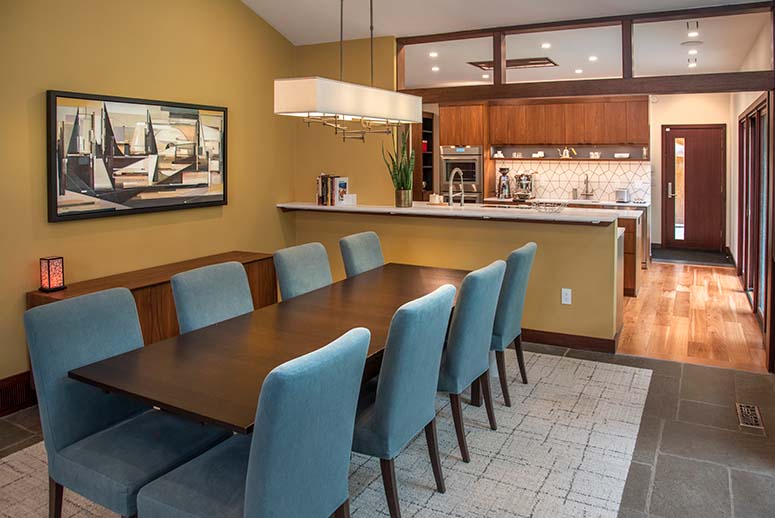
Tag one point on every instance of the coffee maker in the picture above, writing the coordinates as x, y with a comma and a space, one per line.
524, 188
504, 184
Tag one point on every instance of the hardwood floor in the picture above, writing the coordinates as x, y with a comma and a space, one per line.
694, 314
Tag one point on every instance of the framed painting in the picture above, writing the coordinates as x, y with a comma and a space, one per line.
110, 156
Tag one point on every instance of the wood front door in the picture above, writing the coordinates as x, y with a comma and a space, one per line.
693, 187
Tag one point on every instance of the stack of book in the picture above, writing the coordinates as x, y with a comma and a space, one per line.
331, 189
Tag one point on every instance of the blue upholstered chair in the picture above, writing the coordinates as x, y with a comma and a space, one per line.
211, 294
296, 462
508, 318
466, 359
396, 407
301, 269
102, 446
361, 253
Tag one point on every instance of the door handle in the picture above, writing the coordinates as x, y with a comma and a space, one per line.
670, 193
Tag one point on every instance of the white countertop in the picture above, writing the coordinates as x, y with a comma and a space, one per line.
631, 204
475, 211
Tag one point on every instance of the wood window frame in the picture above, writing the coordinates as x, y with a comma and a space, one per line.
627, 84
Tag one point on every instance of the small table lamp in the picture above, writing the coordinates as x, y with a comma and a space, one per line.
52, 274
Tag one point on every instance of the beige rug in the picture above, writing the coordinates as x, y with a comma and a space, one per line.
563, 449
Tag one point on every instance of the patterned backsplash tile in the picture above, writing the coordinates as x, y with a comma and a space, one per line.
558, 178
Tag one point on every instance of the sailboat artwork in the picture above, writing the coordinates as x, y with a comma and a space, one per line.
111, 156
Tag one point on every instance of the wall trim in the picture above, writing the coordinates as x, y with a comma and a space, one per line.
587, 343
16, 392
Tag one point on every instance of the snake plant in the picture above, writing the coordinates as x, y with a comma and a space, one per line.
400, 163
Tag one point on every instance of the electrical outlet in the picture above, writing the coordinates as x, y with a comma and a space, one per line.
567, 296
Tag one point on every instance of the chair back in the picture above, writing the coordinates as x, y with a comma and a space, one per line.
69, 334
301, 269
361, 252
211, 294
406, 390
468, 346
511, 304
300, 452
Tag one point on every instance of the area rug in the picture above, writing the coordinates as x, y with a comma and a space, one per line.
562, 450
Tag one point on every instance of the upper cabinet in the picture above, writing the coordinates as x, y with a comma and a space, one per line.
580, 122
461, 125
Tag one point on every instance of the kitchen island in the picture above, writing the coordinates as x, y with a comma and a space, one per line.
577, 250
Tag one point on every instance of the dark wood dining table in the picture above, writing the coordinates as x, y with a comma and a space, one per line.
214, 375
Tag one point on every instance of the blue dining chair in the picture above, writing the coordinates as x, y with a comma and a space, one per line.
102, 446
361, 253
296, 462
466, 359
211, 294
393, 409
508, 318
301, 269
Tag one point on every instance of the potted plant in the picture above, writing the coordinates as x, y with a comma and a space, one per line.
400, 165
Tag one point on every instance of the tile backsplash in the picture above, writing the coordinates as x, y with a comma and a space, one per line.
557, 178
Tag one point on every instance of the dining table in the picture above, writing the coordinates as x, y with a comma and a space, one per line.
214, 375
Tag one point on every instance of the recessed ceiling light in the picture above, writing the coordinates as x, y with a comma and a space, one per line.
692, 62
693, 52
546, 45
693, 34
433, 54
693, 29
692, 65
593, 58
485, 76
579, 71
435, 69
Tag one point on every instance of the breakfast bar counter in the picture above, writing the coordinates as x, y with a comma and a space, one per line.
567, 215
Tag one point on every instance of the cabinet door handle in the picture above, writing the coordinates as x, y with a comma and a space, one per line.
670, 193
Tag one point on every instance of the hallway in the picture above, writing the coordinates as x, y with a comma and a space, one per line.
693, 314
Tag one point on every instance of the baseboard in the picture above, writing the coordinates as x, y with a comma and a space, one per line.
16, 393
587, 343
728, 252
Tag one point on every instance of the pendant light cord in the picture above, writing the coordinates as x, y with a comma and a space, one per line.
341, 40
371, 37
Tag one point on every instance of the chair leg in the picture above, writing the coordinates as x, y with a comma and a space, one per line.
457, 417
476, 394
500, 360
484, 381
388, 468
344, 510
433, 449
520, 358
55, 493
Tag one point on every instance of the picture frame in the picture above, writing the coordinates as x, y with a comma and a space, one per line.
114, 156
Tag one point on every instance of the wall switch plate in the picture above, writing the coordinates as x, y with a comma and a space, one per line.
567, 296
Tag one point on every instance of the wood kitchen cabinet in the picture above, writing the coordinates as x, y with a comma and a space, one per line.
461, 125
638, 122
596, 121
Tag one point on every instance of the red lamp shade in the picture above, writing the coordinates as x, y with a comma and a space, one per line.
52, 273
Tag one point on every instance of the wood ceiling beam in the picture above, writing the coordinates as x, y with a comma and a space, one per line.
662, 85
680, 14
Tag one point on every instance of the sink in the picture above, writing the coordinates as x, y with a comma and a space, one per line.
523, 207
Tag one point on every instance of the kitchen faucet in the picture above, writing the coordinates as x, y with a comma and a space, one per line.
455, 171
588, 193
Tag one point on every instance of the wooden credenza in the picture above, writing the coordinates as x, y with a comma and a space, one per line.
153, 292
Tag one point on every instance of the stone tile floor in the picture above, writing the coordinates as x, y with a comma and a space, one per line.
691, 458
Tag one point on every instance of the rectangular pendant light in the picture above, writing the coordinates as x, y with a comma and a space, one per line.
321, 97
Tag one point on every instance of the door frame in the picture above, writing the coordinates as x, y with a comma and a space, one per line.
663, 194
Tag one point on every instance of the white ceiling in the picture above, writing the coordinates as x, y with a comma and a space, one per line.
315, 21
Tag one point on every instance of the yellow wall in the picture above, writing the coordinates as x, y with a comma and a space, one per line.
199, 51
579, 257
318, 150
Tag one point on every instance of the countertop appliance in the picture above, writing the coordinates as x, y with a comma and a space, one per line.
524, 186
504, 184
623, 195
469, 160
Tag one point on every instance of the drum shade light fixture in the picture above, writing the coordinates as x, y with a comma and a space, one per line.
352, 110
